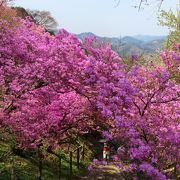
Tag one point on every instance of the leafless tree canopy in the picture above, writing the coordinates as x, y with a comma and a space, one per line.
141, 3
43, 18
147, 2
5, 1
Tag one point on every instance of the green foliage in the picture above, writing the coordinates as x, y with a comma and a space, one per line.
24, 166
172, 21
141, 60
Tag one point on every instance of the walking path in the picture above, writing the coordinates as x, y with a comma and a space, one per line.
104, 172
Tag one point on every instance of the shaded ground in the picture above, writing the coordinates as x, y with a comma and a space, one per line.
25, 166
104, 172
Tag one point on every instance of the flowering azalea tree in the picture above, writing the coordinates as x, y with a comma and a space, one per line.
55, 86
171, 59
39, 71
6, 13
151, 124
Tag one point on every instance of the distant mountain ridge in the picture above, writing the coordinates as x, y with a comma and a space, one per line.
128, 44
147, 38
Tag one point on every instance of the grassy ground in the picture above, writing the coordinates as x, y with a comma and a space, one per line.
26, 167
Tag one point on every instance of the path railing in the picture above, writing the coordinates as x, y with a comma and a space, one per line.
78, 154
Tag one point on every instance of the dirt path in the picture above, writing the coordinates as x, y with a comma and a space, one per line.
105, 172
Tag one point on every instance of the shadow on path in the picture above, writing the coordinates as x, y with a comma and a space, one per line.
104, 172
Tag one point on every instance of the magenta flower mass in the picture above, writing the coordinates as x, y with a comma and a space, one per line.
53, 85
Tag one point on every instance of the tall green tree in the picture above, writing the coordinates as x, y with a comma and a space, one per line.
172, 21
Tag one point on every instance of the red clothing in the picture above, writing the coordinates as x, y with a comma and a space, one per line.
106, 149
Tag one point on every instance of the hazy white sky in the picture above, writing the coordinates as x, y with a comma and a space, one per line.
102, 17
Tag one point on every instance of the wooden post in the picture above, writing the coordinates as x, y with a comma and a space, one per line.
12, 171
83, 152
70, 168
59, 167
40, 164
78, 157
175, 170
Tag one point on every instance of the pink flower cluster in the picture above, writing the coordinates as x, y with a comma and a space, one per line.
54, 86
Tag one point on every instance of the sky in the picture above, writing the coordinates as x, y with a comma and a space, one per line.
103, 17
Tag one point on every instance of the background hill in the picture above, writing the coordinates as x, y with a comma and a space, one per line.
147, 38
139, 44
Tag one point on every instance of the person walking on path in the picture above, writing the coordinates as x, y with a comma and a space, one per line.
106, 152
